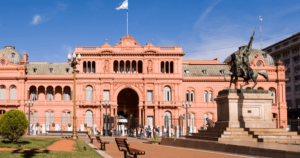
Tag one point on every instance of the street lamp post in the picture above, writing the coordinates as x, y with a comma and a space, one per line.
73, 63
106, 104
28, 105
187, 105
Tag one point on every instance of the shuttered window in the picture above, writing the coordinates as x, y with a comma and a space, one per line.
13, 93
47, 118
187, 96
89, 118
2, 93
192, 96
89, 93
210, 96
167, 93
35, 117
106, 95
150, 95
64, 118
205, 96
51, 117
67, 96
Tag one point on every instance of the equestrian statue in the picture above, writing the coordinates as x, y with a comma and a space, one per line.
241, 67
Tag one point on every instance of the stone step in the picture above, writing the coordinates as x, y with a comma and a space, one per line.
277, 137
274, 140
237, 133
235, 129
275, 133
266, 129
236, 136
237, 139
202, 138
207, 134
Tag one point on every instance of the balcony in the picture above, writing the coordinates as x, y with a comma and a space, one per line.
46, 102
9, 102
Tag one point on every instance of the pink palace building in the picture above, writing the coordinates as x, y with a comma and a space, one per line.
145, 84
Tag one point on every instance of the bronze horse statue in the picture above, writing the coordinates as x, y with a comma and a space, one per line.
236, 72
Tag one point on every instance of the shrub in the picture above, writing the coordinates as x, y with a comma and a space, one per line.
13, 125
155, 136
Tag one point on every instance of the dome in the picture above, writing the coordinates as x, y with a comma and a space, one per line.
267, 58
11, 54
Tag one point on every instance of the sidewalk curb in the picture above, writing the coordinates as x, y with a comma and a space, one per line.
102, 153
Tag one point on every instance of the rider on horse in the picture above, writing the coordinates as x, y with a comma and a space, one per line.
246, 63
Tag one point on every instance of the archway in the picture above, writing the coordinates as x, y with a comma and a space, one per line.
128, 101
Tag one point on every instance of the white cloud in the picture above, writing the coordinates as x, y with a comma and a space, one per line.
36, 19
205, 13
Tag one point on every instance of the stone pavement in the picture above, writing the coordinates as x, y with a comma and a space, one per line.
159, 151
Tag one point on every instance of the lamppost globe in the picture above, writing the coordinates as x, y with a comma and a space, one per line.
182, 103
190, 103
74, 55
69, 57
187, 103
79, 56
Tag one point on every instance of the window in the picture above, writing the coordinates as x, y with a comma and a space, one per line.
122, 67
35, 117
149, 95
288, 89
67, 70
277, 47
140, 67
93, 67
33, 95
297, 78
192, 120
167, 119
295, 39
84, 67
89, 118
192, 96
167, 93
116, 66
204, 71
47, 118
205, 96
50, 96
51, 117
127, 66
210, 96
89, 67
285, 44
34, 70
13, 55
2, 62
287, 62
187, 71
222, 72
295, 50
270, 50
296, 59
51, 70
285, 54
278, 56
162, 67
289, 104
106, 95
298, 103
30, 117
187, 96
2, 93
287, 72
265, 55
167, 67
67, 96
297, 69
64, 118
297, 88
272, 92
13, 93
258, 63
88, 93
171, 67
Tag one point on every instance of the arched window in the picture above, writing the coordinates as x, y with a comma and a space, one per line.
50, 93
67, 93
260, 88
2, 93
88, 93
63, 119
2, 112
140, 66
122, 66
162, 67
47, 118
89, 67
13, 93
167, 119
167, 93
93, 67
192, 96
187, 96
167, 67
210, 96
127, 66
69, 117
133, 66
205, 121
205, 96
51, 117
272, 92
89, 118
116, 69
84, 67
171, 67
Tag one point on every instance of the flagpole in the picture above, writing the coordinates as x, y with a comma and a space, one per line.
127, 21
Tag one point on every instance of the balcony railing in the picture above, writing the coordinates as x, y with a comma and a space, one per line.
9, 101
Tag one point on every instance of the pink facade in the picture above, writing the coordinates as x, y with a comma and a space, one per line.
150, 82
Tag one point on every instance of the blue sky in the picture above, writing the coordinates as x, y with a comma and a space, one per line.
49, 29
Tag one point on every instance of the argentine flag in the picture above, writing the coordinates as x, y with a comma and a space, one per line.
124, 5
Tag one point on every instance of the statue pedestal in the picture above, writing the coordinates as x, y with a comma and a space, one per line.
244, 108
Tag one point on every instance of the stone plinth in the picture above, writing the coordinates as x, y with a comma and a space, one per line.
244, 108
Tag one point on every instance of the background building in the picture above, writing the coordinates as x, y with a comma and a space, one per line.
145, 84
288, 52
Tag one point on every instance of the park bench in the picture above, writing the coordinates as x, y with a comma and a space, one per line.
125, 147
102, 143
91, 138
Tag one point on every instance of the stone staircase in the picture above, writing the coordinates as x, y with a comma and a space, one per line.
247, 134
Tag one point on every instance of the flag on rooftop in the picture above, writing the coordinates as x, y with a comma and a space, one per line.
124, 5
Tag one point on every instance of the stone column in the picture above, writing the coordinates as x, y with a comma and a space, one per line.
140, 115
28, 94
155, 116
119, 66
46, 94
136, 67
53, 94
130, 70
145, 115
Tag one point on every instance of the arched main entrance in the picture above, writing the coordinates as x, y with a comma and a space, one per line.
127, 111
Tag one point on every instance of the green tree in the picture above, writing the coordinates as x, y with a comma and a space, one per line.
13, 125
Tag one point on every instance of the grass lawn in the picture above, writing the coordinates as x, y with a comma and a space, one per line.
42, 144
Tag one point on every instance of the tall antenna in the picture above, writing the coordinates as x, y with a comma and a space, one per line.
260, 19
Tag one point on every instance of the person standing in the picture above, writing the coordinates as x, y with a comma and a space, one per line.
158, 131
147, 133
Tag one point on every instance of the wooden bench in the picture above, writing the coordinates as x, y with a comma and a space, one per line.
125, 147
91, 138
102, 143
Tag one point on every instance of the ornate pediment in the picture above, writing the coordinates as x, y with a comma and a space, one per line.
128, 43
